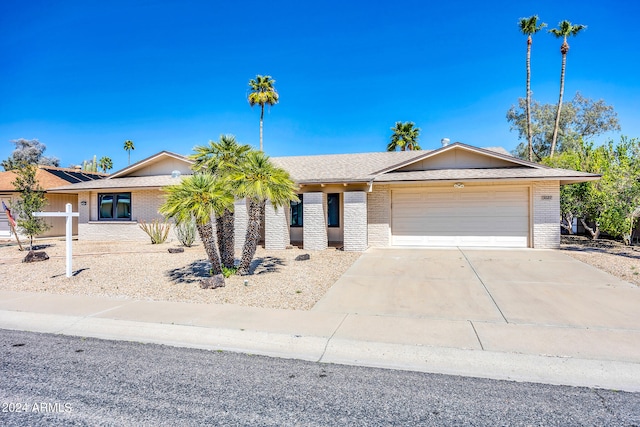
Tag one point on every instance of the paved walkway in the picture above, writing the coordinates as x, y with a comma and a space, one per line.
468, 320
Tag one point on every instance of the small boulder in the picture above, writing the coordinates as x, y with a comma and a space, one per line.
212, 282
35, 256
175, 250
303, 257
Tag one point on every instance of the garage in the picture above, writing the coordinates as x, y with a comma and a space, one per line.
469, 216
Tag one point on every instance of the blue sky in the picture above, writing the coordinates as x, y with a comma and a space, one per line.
84, 76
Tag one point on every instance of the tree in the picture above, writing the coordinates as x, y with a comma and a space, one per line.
28, 151
259, 180
608, 205
580, 120
530, 26
105, 163
128, 147
405, 137
199, 196
220, 159
565, 29
262, 93
32, 199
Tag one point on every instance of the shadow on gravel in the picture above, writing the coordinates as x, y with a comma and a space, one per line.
267, 264
191, 273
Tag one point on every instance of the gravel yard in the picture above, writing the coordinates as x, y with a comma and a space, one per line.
148, 272
607, 255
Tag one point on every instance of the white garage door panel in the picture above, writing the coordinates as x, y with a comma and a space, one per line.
464, 217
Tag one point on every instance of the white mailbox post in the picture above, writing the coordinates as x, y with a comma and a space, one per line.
69, 229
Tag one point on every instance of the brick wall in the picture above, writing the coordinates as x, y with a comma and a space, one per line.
379, 216
315, 221
276, 227
240, 217
144, 207
355, 221
546, 214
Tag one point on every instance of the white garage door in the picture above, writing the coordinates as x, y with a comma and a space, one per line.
469, 216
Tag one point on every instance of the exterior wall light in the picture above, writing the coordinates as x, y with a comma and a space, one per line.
458, 185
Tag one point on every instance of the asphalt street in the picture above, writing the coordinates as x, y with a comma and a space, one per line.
61, 380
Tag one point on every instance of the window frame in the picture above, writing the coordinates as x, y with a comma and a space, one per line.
114, 206
299, 206
336, 197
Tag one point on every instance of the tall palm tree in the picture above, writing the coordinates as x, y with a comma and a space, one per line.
530, 26
105, 163
220, 159
200, 196
405, 137
128, 146
262, 93
260, 180
565, 29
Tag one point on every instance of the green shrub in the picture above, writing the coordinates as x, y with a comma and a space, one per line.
158, 231
186, 232
226, 272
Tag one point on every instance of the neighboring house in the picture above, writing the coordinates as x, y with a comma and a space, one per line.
47, 177
457, 195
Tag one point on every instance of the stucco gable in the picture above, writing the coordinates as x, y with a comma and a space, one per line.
460, 156
162, 163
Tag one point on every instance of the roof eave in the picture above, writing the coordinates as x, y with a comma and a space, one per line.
563, 180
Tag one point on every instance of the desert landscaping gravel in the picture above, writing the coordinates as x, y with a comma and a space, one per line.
149, 272
140, 270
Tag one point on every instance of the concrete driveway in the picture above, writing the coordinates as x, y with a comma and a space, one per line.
523, 301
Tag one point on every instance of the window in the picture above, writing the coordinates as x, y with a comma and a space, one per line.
333, 210
116, 206
296, 213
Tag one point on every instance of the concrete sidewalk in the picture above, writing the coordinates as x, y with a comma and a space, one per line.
580, 356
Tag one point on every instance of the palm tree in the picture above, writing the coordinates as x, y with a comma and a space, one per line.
262, 93
565, 29
530, 26
220, 159
405, 137
128, 146
260, 180
105, 163
199, 196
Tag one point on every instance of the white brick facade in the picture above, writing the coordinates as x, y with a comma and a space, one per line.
314, 233
546, 214
379, 216
355, 221
276, 227
240, 218
144, 207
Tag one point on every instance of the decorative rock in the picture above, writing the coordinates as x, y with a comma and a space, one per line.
33, 256
175, 250
212, 282
303, 257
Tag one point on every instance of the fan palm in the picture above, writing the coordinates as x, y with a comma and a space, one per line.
530, 26
565, 29
405, 136
128, 146
260, 180
262, 93
220, 159
105, 163
199, 196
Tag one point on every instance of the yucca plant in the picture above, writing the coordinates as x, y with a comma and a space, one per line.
186, 232
158, 231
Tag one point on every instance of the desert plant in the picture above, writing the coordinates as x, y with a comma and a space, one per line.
157, 230
186, 232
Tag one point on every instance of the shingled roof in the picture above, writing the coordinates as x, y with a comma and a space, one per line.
361, 168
